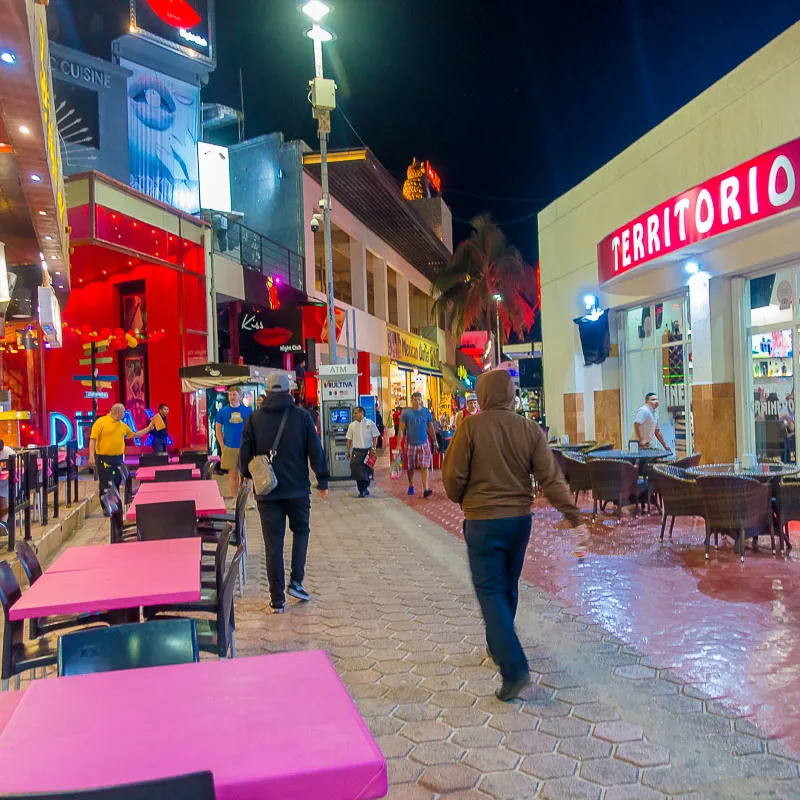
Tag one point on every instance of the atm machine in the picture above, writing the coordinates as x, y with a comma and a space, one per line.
338, 395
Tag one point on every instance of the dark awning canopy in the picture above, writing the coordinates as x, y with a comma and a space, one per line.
362, 185
208, 376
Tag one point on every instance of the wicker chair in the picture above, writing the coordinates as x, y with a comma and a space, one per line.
578, 474
690, 461
787, 507
680, 496
736, 503
599, 448
561, 462
617, 482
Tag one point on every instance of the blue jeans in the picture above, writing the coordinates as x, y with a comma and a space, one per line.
496, 549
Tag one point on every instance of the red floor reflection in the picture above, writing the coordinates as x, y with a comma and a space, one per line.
731, 628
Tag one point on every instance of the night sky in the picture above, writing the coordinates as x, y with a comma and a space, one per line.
513, 102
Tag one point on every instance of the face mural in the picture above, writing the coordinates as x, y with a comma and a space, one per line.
163, 125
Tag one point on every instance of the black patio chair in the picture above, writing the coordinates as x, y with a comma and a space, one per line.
616, 482
197, 786
176, 519
577, 473
737, 506
153, 459
214, 524
41, 626
19, 656
680, 495
194, 457
127, 480
140, 644
122, 530
208, 470
174, 475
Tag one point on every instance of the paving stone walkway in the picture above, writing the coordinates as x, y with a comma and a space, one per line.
394, 608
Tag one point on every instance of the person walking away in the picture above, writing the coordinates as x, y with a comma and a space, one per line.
645, 424
470, 410
362, 439
260, 401
158, 427
487, 471
107, 445
228, 427
299, 445
417, 431
379, 424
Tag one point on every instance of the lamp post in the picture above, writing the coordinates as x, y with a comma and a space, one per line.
323, 101
497, 298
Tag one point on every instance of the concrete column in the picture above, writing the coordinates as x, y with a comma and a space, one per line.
403, 308
358, 273
381, 288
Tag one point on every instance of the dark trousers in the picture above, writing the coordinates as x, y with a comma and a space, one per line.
159, 446
273, 526
496, 549
107, 470
359, 470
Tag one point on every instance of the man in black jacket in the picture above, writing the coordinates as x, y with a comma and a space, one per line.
299, 445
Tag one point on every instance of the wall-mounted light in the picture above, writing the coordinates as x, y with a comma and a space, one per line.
589, 301
691, 267
24, 129
36, 178
7, 57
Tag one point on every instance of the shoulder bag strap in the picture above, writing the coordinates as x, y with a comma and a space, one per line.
274, 448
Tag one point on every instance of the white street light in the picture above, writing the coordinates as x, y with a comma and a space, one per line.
319, 34
497, 298
316, 9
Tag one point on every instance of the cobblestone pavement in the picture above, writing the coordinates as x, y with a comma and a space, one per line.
394, 608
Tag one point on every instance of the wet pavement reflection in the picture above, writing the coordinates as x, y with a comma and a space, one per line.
730, 628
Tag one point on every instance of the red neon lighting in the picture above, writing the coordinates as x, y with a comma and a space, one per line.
176, 13
433, 176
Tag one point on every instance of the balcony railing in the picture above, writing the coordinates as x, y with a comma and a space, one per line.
256, 252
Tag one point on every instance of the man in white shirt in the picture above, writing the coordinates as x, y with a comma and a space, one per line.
645, 424
362, 439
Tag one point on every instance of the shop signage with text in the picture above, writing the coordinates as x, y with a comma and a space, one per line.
411, 349
753, 191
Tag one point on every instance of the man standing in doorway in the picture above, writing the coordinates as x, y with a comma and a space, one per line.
487, 471
107, 445
645, 424
298, 446
416, 430
362, 439
228, 427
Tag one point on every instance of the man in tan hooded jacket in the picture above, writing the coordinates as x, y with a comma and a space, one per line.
487, 470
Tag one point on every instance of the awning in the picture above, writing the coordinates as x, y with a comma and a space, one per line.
415, 368
208, 376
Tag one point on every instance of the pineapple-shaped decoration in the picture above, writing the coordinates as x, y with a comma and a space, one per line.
414, 188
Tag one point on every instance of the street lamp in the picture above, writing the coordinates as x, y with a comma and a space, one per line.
497, 298
323, 101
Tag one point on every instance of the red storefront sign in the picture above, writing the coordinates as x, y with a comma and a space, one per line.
753, 191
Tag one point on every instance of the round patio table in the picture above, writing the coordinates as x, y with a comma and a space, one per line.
763, 472
636, 456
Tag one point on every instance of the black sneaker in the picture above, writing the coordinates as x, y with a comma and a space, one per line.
510, 690
296, 590
427, 493
276, 609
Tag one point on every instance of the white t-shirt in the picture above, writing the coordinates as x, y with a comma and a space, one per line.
647, 420
362, 433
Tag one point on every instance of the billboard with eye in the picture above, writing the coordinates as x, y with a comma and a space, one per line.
183, 25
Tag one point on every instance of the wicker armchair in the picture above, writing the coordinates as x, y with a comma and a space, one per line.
578, 474
787, 507
680, 496
617, 482
599, 448
737, 504
561, 462
690, 461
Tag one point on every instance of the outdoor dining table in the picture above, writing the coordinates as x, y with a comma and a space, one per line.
206, 496
232, 717
762, 472
115, 577
577, 446
145, 474
635, 456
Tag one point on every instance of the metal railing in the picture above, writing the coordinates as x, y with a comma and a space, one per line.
256, 252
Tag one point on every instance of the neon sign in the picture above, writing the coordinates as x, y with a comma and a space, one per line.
63, 430
274, 300
433, 176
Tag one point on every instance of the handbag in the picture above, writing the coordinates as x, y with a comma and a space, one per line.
261, 469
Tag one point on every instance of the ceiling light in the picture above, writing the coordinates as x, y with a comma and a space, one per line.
36, 178
7, 57
692, 267
58, 273
497, 297
41, 255
319, 34
49, 238
316, 9
42, 213
24, 129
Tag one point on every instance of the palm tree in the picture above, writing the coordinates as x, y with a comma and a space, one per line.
483, 266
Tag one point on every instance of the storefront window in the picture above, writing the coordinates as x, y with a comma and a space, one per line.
657, 359
391, 280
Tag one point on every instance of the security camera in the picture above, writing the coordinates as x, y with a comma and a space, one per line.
316, 221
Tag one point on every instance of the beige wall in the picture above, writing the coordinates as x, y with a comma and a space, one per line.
750, 111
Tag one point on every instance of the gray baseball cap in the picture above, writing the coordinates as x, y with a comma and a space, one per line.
277, 382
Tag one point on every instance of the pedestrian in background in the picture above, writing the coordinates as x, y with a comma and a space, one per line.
487, 471
469, 410
228, 427
362, 439
299, 445
417, 432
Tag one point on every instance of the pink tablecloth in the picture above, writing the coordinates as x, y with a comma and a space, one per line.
105, 581
149, 473
205, 494
280, 726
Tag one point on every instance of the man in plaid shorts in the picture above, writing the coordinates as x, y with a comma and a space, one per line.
416, 430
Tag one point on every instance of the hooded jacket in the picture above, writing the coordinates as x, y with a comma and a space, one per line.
492, 455
299, 446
